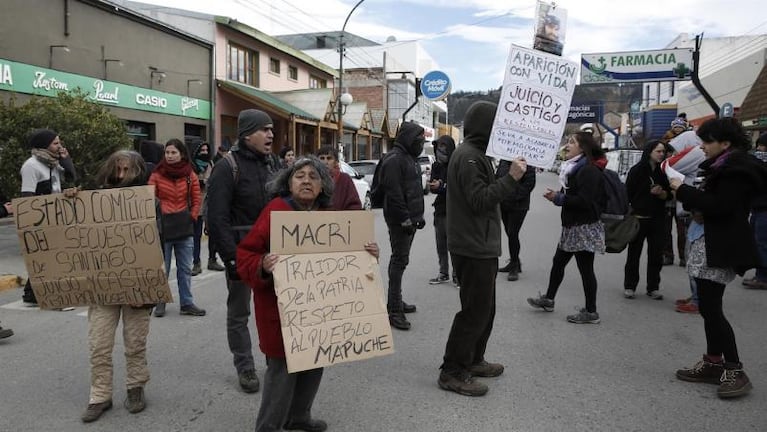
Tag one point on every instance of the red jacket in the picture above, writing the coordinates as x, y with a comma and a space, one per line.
172, 193
250, 251
345, 195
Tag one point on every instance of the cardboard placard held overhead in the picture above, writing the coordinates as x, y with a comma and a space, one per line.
329, 290
533, 108
99, 248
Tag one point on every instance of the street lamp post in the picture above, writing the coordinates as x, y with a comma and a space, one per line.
344, 99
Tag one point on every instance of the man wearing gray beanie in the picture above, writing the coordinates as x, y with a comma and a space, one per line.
236, 195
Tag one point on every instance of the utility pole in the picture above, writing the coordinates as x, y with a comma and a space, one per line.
696, 77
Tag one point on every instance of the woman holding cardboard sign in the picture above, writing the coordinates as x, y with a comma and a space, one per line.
178, 189
288, 397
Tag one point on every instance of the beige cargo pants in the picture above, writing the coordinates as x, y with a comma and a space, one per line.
102, 323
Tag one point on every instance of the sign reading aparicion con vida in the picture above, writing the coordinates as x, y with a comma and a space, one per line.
30, 79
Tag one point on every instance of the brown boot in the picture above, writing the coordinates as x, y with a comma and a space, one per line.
734, 382
135, 402
465, 385
94, 411
704, 371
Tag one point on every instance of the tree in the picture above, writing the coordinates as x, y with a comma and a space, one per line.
88, 130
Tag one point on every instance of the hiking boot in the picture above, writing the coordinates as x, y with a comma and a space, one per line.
159, 310
408, 308
507, 268
655, 295
441, 278
512, 276
704, 371
311, 425
214, 265
135, 402
465, 385
193, 310
249, 381
94, 411
196, 269
5, 333
687, 308
485, 369
398, 321
734, 382
682, 301
584, 317
541, 302
629, 293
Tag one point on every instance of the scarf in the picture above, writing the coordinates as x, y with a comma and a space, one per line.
48, 159
568, 167
174, 171
200, 165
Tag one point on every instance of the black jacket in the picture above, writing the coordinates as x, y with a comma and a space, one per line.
519, 200
725, 202
439, 172
473, 193
401, 178
234, 208
584, 196
640, 180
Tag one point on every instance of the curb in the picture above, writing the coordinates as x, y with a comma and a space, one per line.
8, 282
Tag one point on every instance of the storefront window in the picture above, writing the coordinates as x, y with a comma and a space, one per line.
242, 65
139, 131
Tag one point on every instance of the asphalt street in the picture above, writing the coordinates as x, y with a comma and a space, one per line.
614, 376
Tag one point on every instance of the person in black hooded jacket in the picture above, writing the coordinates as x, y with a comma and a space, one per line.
474, 242
400, 179
648, 191
514, 209
732, 178
443, 149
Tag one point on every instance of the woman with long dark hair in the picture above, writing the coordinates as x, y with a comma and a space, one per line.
178, 190
583, 234
724, 247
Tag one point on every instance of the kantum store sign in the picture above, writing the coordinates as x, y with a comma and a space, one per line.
30, 79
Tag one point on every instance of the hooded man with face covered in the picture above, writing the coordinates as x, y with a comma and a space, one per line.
474, 242
400, 179
443, 149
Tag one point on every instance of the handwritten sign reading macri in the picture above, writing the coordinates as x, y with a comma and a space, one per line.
532, 111
329, 290
99, 248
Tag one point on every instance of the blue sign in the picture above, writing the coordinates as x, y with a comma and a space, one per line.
435, 85
727, 110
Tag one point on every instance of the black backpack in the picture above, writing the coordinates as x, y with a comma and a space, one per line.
620, 226
377, 192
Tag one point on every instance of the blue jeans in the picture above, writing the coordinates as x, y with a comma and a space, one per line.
759, 223
183, 248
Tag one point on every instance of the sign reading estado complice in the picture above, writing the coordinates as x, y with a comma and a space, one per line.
98, 248
329, 290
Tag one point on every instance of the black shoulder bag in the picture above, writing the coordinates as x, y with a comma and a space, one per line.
180, 224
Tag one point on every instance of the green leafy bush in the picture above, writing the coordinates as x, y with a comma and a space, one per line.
88, 131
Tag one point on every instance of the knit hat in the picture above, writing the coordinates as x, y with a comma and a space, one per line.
679, 122
42, 138
251, 120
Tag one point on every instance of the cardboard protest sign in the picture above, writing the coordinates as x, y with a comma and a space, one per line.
533, 108
99, 248
329, 290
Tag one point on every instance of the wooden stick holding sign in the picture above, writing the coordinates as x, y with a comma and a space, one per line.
329, 290
99, 248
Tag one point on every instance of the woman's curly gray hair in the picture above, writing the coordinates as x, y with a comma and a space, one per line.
280, 185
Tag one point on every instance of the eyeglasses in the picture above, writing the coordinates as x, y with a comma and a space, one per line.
326, 157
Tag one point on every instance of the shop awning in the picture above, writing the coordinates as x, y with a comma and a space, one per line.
753, 110
273, 103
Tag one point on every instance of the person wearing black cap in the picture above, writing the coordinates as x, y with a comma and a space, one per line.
42, 174
235, 199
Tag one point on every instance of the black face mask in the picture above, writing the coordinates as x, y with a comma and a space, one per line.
204, 157
441, 155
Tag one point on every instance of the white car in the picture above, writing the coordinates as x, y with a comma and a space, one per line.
425, 160
363, 188
366, 167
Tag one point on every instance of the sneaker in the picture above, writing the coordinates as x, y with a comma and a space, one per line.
398, 321
94, 411
507, 268
704, 371
135, 402
629, 293
465, 385
408, 308
749, 281
682, 262
441, 278
193, 310
655, 295
486, 370
584, 317
455, 282
541, 302
159, 310
311, 425
5, 333
734, 383
687, 308
682, 301
196, 269
215, 266
249, 381
512, 276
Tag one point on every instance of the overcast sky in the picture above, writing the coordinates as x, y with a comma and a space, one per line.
470, 39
